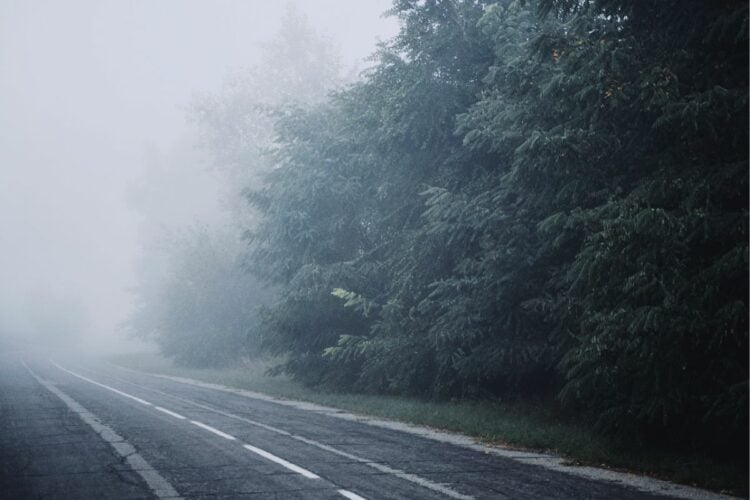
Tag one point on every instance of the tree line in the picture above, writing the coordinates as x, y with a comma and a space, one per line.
520, 199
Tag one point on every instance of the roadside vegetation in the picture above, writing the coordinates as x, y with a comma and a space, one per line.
526, 426
519, 201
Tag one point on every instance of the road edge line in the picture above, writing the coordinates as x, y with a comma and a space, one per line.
155, 481
556, 463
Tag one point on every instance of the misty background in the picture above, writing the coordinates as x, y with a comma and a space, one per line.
99, 149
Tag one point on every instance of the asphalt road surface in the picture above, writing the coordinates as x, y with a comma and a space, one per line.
90, 430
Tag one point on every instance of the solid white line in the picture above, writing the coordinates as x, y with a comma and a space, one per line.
350, 495
281, 461
214, 430
125, 394
169, 412
155, 481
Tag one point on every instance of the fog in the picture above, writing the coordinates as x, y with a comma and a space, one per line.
525, 221
97, 151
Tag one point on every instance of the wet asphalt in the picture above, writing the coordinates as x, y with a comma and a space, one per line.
47, 450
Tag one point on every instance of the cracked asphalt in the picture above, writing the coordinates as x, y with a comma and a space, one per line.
47, 450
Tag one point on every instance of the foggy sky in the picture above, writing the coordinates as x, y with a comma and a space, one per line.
89, 91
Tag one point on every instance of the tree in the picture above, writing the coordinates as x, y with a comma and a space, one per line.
298, 68
204, 309
343, 205
656, 297
525, 198
632, 207
196, 297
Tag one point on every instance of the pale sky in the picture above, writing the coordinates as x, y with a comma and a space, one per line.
86, 87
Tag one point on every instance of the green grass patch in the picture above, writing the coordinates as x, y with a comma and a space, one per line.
514, 425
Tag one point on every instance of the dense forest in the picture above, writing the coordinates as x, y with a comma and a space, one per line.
537, 200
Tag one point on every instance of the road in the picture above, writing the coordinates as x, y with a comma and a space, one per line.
90, 430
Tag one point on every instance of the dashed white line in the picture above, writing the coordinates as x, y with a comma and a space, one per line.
413, 478
155, 481
125, 394
425, 483
214, 430
350, 495
263, 453
281, 461
169, 412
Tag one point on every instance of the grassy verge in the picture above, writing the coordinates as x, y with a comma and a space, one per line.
518, 426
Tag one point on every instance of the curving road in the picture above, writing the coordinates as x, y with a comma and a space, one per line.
86, 429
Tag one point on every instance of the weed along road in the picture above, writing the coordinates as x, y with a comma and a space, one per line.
88, 429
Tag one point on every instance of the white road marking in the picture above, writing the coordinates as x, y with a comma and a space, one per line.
545, 460
155, 481
350, 495
413, 478
281, 461
214, 430
169, 412
270, 456
142, 401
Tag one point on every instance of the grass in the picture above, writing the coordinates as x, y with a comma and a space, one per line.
518, 426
